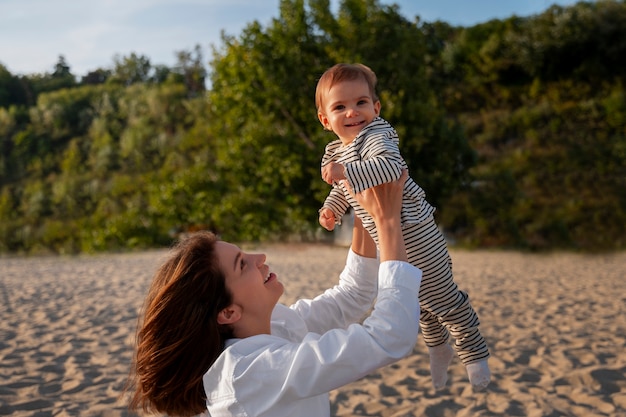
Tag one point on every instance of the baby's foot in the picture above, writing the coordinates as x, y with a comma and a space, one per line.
440, 358
479, 374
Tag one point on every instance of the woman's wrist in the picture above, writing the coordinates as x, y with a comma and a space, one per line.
390, 240
362, 242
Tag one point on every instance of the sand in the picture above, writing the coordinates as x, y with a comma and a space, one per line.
555, 324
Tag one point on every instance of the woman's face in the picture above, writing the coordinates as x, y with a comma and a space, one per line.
254, 288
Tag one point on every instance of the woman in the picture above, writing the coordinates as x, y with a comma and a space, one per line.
213, 337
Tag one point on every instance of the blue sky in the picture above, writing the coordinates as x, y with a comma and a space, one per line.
89, 33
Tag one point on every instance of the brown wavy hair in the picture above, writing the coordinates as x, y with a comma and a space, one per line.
344, 72
178, 337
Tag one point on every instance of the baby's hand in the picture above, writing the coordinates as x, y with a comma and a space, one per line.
333, 173
327, 219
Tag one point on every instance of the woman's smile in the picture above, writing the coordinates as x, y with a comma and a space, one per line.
270, 277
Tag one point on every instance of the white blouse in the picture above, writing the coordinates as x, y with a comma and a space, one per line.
317, 345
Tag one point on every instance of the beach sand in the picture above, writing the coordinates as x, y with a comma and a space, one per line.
555, 325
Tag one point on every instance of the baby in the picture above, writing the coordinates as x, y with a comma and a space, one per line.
366, 154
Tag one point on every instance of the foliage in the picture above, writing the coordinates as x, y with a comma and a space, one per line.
543, 105
516, 129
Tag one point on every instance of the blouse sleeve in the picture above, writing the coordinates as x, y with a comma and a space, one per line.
323, 362
340, 356
345, 303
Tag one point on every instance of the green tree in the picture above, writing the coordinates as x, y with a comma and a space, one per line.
263, 92
97, 76
514, 127
12, 90
584, 41
60, 78
131, 69
190, 67
9, 221
266, 152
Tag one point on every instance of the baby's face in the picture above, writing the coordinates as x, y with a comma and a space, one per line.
348, 108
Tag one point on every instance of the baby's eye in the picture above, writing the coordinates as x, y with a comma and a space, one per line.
362, 102
339, 107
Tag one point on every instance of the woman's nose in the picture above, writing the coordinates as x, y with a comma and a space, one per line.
260, 259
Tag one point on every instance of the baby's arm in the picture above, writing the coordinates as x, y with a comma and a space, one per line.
327, 218
333, 172
335, 204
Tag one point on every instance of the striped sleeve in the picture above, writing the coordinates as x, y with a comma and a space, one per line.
330, 152
380, 161
337, 203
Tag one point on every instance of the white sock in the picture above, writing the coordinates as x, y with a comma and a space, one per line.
440, 358
479, 374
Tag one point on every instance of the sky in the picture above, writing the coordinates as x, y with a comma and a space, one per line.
90, 33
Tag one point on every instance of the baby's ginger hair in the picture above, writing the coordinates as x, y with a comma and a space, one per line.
340, 73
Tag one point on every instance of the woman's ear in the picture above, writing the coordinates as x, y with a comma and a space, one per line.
229, 315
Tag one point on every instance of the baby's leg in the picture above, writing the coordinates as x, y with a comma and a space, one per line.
444, 307
470, 345
440, 355
420, 240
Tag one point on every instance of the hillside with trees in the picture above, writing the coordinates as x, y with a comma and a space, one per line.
515, 128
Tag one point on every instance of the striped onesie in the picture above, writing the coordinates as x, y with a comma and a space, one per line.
374, 158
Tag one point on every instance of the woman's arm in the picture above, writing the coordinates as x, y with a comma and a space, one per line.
362, 242
347, 302
290, 372
284, 372
351, 299
383, 204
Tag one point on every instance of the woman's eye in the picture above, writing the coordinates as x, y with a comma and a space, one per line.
242, 263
